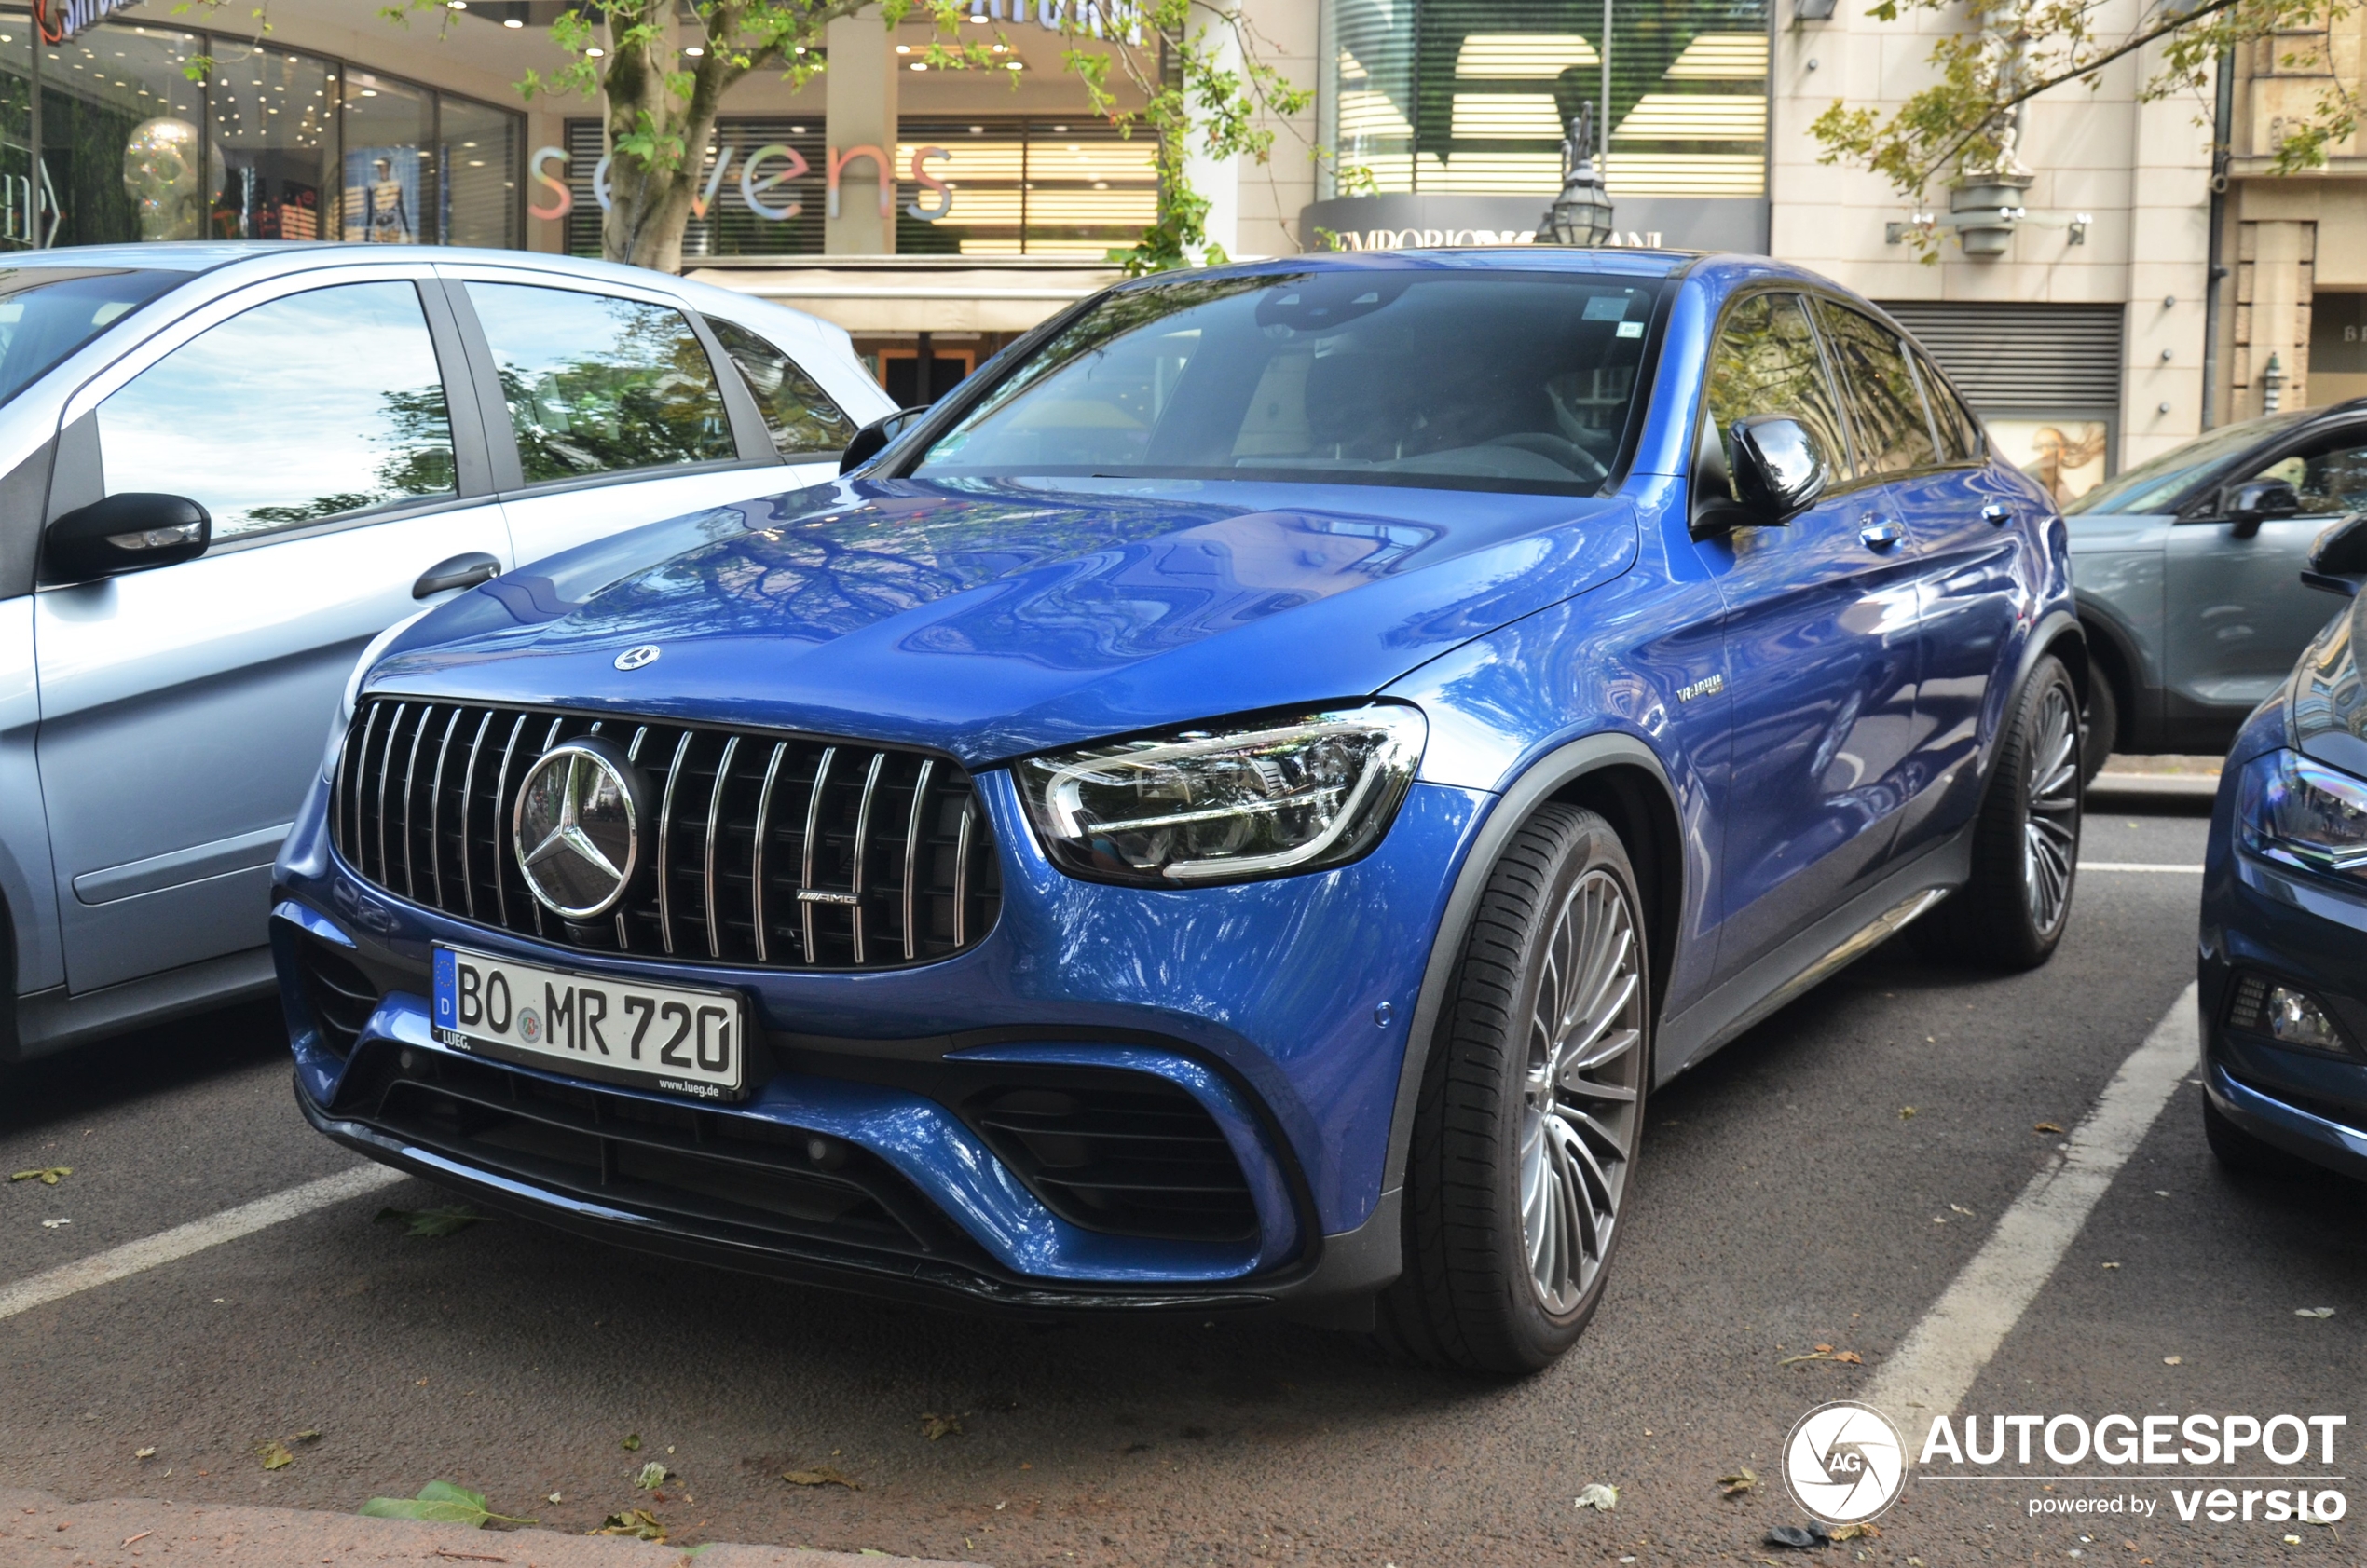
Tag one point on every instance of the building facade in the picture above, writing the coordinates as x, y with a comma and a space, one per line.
2139, 276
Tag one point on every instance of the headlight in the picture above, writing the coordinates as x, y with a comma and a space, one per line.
1226, 805
2292, 810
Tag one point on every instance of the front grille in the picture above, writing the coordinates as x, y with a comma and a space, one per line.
770, 849
1119, 1151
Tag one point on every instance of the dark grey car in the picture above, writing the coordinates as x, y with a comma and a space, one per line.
2188, 570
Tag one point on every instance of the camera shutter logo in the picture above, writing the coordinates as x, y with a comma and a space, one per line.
1844, 1462
577, 826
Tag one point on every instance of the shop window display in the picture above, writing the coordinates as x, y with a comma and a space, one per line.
272, 135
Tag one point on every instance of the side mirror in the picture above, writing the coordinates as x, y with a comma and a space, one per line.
2338, 560
2251, 503
874, 438
1780, 468
134, 532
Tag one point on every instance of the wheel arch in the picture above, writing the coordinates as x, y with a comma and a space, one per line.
1614, 774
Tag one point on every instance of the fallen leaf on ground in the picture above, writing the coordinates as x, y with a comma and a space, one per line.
1825, 1353
2172, 1361
48, 1176
2112, 1265
1853, 1532
450, 1556
653, 1475
553, 1497
2045, 1128
1849, 1358
1742, 1481
639, 1523
824, 1475
2313, 1312
434, 1221
53, 1224
307, 1436
276, 1456
144, 1454
1601, 1498
631, 1441
1961, 1209
1905, 1113
439, 1503
936, 1426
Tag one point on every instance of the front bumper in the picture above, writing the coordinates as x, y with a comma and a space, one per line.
1272, 1005
2285, 926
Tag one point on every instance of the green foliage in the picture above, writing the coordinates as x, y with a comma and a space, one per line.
439, 1503
2009, 51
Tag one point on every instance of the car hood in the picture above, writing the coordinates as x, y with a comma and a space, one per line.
990, 620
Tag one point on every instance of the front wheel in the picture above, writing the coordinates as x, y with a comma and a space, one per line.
2013, 910
1531, 1108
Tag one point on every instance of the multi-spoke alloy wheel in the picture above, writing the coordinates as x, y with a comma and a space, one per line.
1525, 1132
2014, 908
1585, 1064
2050, 832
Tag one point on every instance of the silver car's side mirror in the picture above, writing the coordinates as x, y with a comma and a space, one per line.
875, 437
2338, 560
134, 532
1780, 467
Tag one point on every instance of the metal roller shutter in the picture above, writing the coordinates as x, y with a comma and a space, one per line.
2023, 358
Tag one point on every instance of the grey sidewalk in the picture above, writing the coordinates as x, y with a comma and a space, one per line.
37, 1529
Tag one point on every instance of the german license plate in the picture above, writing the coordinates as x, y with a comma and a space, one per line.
663, 1037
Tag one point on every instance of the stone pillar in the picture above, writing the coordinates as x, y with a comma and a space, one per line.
859, 90
1218, 180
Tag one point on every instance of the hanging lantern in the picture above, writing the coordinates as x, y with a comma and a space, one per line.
1581, 213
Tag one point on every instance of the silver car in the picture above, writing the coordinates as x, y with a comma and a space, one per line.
362, 430
2188, 570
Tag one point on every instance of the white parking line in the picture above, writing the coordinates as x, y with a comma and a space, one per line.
2136, 865
1934, 1367
132, 1256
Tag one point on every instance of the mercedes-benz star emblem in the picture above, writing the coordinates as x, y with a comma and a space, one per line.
633, 658
575, 829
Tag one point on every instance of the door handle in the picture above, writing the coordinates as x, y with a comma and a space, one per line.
1882, 532
1996, 514
460, 571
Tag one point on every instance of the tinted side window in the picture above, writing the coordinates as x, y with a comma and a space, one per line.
597, 384
1884, 407
309, 407
1766, 363
799, 415
2328, 474
1958, 437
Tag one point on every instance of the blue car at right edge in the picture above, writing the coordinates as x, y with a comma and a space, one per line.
2284, 920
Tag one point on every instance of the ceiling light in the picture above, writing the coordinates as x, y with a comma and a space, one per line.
512, 21
919, 66
694, 50
594, 52
904, 49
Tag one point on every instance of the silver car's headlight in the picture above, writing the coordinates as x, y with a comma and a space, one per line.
1253, 798
2292, 810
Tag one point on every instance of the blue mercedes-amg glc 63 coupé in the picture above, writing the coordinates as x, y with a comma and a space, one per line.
1240, 804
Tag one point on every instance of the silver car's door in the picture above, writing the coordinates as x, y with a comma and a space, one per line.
2237, 613
184, 709
606, 406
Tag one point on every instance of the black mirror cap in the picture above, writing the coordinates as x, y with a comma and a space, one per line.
2338, 559
134, 532
2258, 499
876, 437
1780, 468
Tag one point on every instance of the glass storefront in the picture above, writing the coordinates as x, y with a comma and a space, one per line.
269, 145
1012, 185
1471, 95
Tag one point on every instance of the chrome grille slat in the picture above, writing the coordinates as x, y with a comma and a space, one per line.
824, 821
863, 842
665, 822
912, 856
755, 856
713, 836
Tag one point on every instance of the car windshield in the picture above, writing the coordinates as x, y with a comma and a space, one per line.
2155, 484
1466, 380
48, 312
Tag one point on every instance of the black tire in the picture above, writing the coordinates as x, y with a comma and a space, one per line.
2240, 1152
1502, 1102
2013, 911
2102, 727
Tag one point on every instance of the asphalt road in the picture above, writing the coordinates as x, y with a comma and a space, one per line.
1785, 1201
